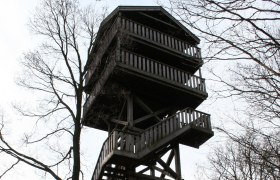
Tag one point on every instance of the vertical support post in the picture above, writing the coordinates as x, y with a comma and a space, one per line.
152, 172
130, 110
200, 74
177, 161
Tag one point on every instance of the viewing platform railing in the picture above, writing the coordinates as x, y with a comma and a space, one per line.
148, 67
144, 32
160, 38
162, 70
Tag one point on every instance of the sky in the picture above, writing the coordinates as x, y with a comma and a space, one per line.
15, 39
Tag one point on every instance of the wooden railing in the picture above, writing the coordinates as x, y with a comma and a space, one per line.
146, 65
133, 144
160, 38
99, 84
108, 147
102, 47
171, 124
142, 31
162, 70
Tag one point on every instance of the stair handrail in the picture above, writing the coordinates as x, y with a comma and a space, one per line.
144, 141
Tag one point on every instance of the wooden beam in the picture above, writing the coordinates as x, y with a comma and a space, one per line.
151, 17
167, 168
143, 118
145, 107
130, 110
123, 106
119, 122
162, 171
168, 161
143, 170
177, 161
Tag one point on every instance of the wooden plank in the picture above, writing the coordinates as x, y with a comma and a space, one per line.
156, 68
190, 81
150, 134
176, 44
147, 32
155, 36
135, 61
158, 37
135, 28
130, 110
143, 31
170, 120
165, 40
155, 133
168, 41
148, 65
159, 131
152, 66
126, 58
144, 63
172, 42
163, 129
167, 168
127, 26
171, 73
161, 70
131, 26
119, 122
161, 38
130, 59
151, 34
147, 138
139, 29
137, 144
175, 74
179, 77
167, 127
167, 72
131, 144
142, 140
143, 118
139, 62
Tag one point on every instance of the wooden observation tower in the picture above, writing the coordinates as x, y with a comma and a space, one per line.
143, 86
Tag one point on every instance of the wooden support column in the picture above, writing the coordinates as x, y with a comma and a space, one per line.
130, 110
177, 161
200, 74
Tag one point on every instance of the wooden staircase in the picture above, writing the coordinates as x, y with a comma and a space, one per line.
122, 151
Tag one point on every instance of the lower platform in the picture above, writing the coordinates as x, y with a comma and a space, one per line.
130, 150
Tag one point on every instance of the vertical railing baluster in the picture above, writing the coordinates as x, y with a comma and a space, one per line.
159, 130
144, 63
135, 28
167, 72
130, 59
156, 68
152, 66
135, 61
175, 75
151, 34
139, 62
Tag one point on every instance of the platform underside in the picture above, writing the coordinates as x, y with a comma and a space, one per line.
158, 93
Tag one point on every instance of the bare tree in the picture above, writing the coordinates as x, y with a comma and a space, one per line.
56, 69
246, 35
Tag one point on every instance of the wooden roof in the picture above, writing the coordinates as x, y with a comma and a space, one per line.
158, 9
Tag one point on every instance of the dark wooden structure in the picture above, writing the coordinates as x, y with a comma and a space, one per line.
141, 87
